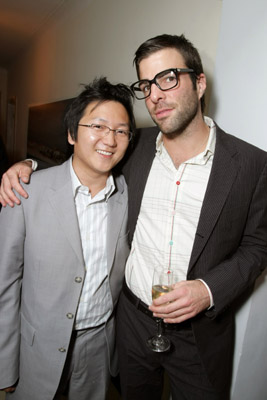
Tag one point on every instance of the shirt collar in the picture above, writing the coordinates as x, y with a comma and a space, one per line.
105, 193
201, 158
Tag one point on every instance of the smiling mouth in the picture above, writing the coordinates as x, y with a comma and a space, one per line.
104, 153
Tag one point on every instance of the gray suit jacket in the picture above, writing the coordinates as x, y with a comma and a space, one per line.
40, 270
230, 246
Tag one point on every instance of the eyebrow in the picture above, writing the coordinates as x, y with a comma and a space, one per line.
107, 122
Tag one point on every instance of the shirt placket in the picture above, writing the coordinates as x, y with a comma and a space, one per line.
171, 238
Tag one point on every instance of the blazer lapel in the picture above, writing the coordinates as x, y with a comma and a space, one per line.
61, 200
117, 207
224, 165
140, 166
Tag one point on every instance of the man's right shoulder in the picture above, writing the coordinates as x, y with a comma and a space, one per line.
45, 177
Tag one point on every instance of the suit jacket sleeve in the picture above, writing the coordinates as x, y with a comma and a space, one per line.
12, 234
239, 270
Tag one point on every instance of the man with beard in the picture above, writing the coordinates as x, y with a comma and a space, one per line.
197, 206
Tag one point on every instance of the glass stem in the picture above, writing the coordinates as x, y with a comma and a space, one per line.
159, 327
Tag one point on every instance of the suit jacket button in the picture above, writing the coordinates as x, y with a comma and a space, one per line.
62, 350
70, 315
78, 279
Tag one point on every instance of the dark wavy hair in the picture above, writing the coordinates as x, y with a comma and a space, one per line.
99, 90
182, 45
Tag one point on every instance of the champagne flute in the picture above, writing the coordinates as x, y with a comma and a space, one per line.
162, 281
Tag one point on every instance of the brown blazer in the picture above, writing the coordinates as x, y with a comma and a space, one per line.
230, 247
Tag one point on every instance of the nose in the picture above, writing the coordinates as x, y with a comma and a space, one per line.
110, 139
155, 93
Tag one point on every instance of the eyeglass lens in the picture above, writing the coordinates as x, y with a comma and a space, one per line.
103, 130
164, 80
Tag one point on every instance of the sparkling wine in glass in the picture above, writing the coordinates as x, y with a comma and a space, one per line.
162, 281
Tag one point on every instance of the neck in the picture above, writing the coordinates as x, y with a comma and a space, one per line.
95, 188
94, 182
188, 144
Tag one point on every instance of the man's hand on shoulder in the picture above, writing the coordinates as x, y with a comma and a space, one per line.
10, 181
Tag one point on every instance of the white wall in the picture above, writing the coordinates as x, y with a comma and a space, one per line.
239, 103
92, 38
240, 86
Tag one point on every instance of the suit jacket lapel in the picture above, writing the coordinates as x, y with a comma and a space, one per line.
61, 200
224, 165
117, 206
140, 166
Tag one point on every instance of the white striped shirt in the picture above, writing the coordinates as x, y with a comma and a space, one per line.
169, 216
95, 305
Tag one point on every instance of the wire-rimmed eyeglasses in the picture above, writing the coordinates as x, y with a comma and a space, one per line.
103, 130
164, 80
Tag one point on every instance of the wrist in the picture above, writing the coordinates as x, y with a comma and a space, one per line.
34, 163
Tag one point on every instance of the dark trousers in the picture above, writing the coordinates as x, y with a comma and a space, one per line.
141, 370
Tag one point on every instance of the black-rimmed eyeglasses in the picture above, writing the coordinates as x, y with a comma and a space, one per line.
103, 130
164, 80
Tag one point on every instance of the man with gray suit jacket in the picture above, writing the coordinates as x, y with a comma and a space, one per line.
197, 206
63, 254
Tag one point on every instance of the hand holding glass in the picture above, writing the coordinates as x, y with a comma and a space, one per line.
162, 281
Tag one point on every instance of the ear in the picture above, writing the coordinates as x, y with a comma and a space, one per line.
201, 85
70, 140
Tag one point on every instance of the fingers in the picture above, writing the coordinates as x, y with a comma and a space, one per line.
7, 196
10, 182
176, 311
177, 316
186, 300
2, 201
166, 302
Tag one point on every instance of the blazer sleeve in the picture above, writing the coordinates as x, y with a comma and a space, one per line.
12, 234
230, 278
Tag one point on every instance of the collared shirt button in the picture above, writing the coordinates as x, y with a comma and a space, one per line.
78, 279
62, 350
70, 315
